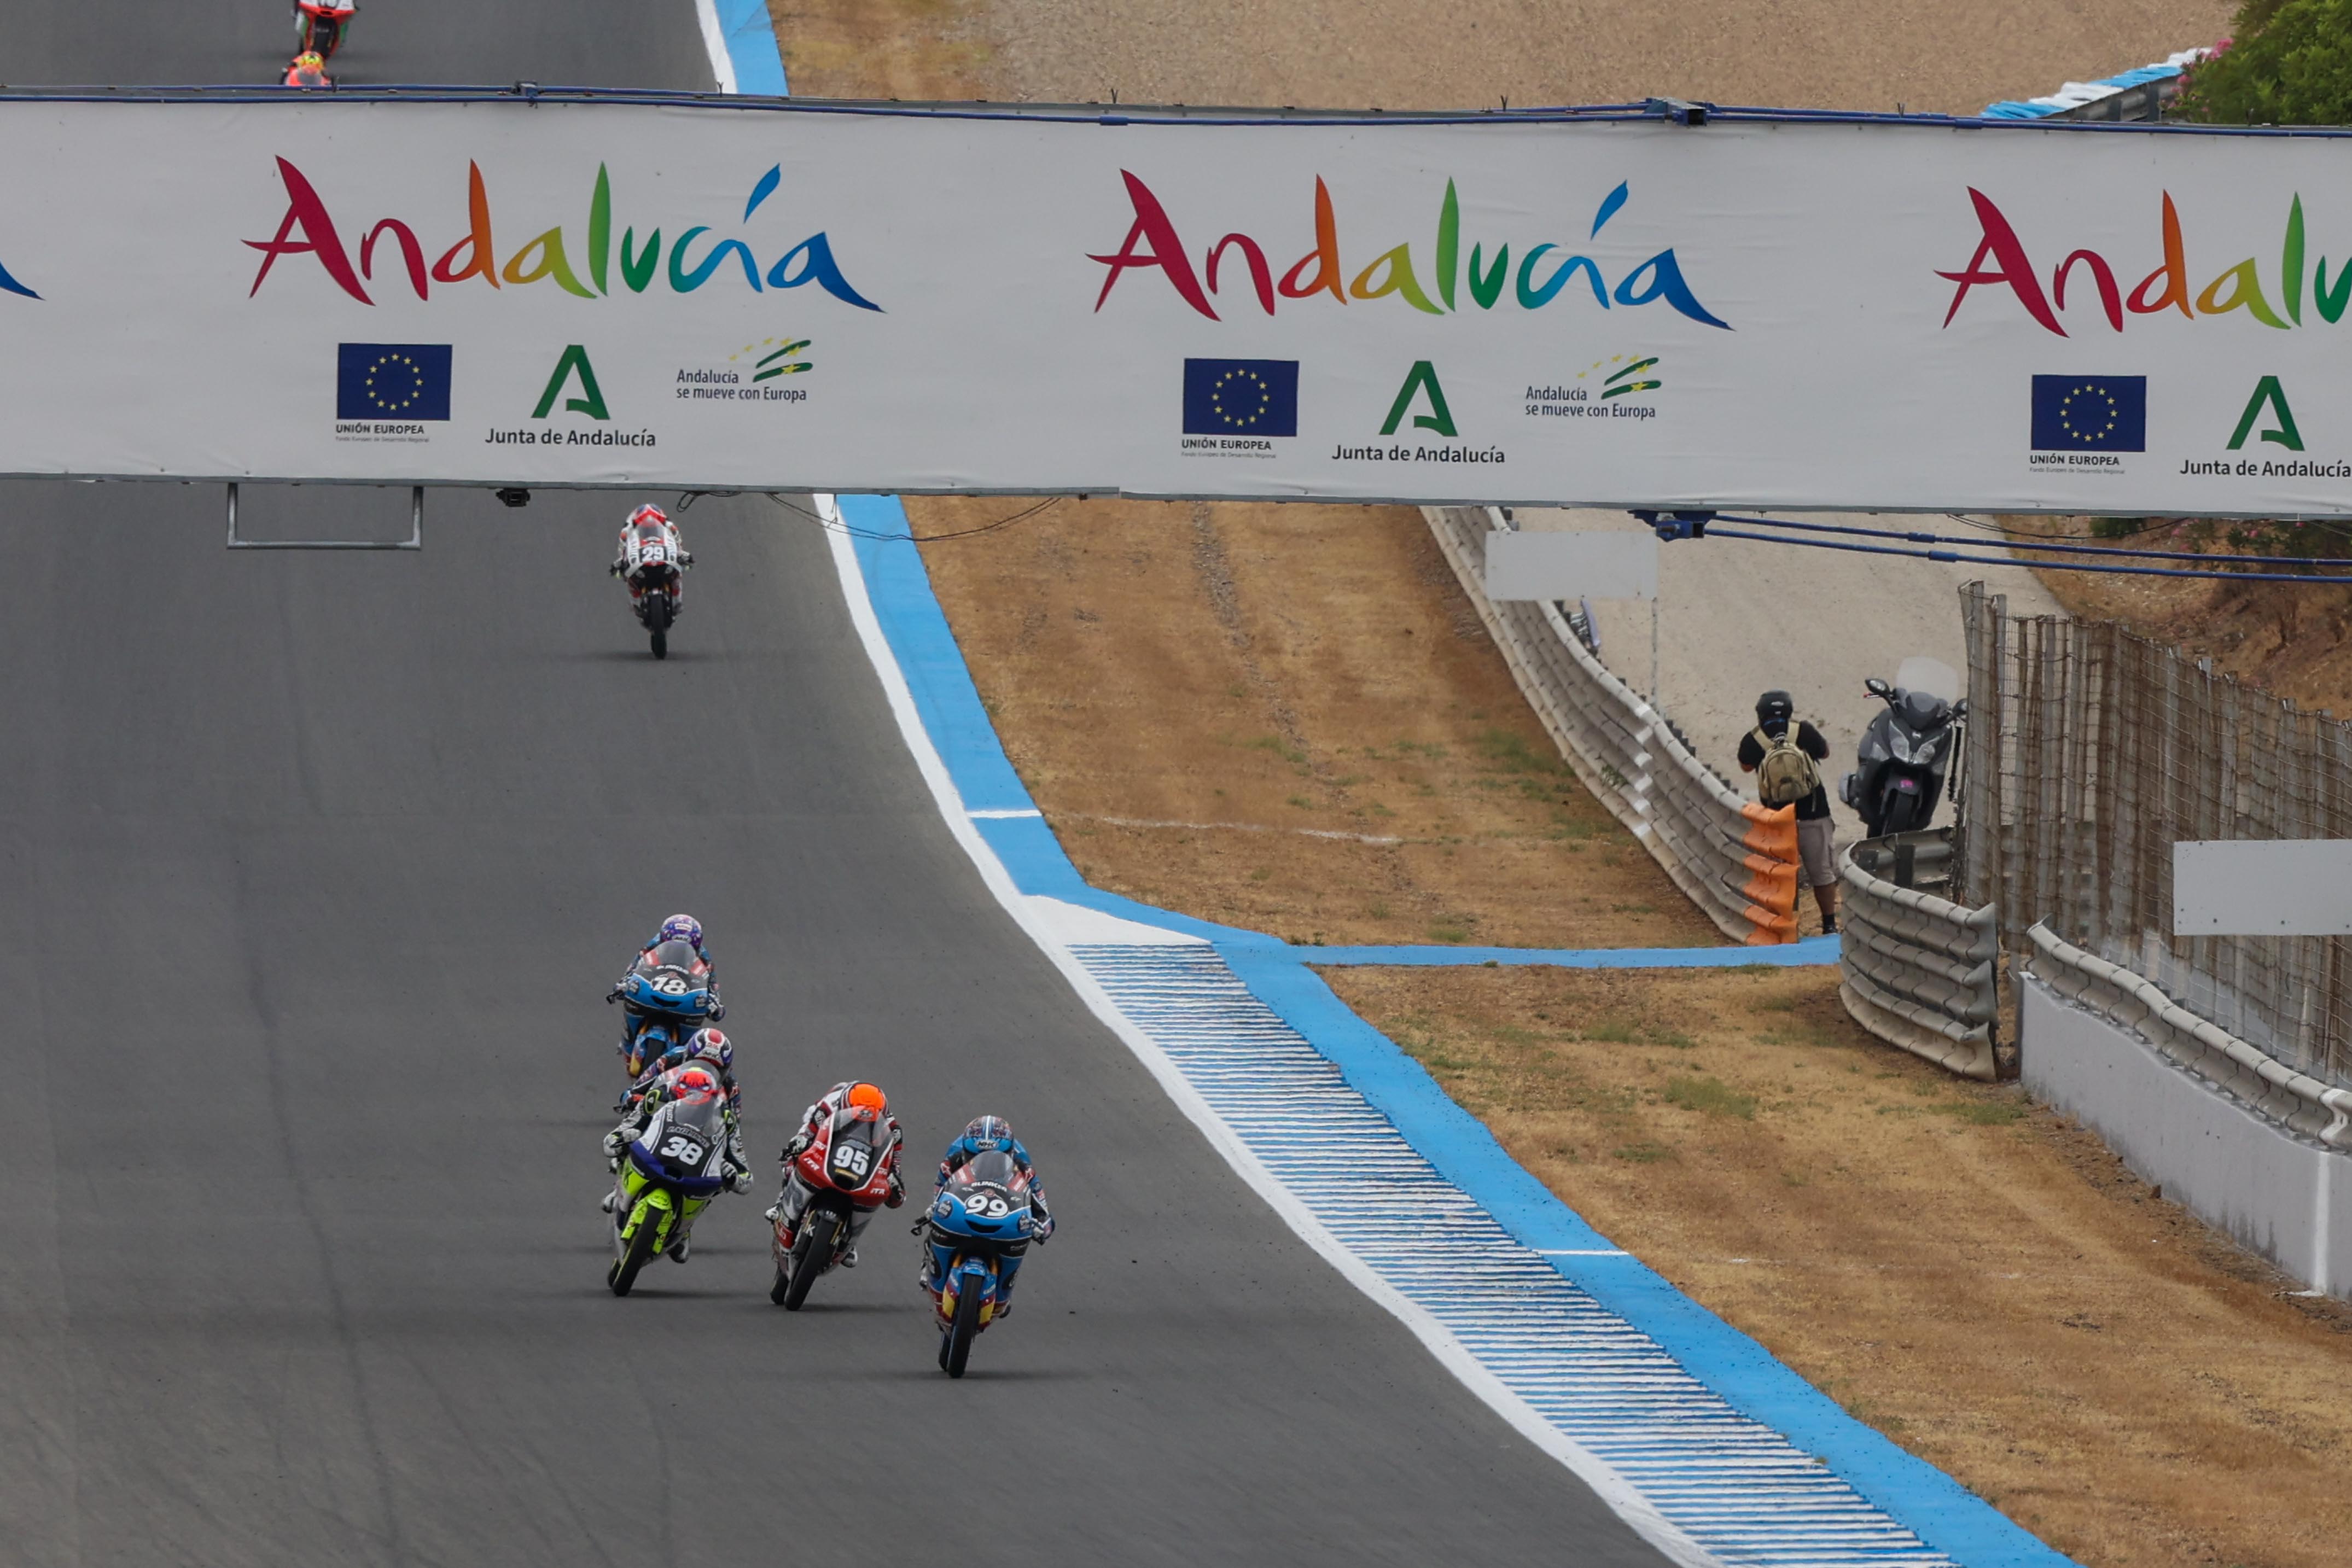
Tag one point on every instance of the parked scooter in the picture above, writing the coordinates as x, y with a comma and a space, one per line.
1906, 752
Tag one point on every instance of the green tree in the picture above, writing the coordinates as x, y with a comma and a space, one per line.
2290, 63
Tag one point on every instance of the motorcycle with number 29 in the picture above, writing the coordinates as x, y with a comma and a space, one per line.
653, 562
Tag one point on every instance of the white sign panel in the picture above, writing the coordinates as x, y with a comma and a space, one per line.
1571, 564
2262, 888
1750, 313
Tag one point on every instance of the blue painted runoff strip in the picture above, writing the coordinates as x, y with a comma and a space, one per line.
751, 45
1935, 1506
1789, 954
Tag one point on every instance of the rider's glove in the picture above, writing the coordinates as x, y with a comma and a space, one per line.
897, 1189
685, 557
718, 1010
1041, 1228
614, 1142
795, 1149
741, 1181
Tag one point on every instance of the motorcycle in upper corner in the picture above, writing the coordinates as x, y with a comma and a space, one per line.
667, 996
844, 1171
666, 1177
1905, 755
978, 1230
653, 563
323, 25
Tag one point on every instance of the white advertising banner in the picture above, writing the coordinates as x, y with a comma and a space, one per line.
1754, 313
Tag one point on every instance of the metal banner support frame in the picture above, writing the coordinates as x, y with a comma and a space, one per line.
415, 541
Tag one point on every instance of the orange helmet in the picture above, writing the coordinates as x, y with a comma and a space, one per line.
865, 1097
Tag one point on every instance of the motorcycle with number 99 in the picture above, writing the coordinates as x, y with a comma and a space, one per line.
979, 1230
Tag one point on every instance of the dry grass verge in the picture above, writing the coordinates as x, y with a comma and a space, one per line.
1970, 1274
1288, 718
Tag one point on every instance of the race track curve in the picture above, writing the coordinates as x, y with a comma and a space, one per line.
312, 872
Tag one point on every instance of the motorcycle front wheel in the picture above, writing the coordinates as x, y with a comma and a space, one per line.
1903, 813
639, 1252
810, 1249
962, 1333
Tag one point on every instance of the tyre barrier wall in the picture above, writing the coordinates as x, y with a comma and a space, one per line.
2243, 1142
2295, 1101
1919, 971
1733, 858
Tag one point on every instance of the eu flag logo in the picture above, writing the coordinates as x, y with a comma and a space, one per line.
391, 380
2090, 414
1241, 397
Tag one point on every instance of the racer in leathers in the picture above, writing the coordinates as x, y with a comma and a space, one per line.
869, 1102
713, 1050
695, 1079
683, 928
981, 1135
653, 518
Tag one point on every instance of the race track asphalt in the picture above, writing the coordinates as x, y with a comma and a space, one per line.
313, 870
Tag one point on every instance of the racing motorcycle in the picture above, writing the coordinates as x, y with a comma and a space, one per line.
978, 1230
1907, 751
667, 996
667, 1176
653, 563
323, 25
844, 1171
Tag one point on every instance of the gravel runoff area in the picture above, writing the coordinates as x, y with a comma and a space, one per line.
1974, 1276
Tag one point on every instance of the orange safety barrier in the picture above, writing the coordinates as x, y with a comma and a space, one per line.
1773, 863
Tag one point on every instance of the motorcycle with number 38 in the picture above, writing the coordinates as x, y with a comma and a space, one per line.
978, 1230
841, 1177
668, 1174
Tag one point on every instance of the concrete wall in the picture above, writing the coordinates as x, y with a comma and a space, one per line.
2283, 1195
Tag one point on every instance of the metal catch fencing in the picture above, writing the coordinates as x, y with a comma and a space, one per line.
1915, 970
1733, 859
2089, 753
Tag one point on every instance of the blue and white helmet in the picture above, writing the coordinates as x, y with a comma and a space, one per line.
681, 928
986, 1132
711, 1045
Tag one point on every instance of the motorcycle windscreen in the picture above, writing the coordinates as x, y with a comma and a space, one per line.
853, 1151
992, 1167
688, 1138
1921, 673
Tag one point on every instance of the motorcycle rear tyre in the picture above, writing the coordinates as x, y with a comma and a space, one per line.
640, 1251
960, 1336
818, 1222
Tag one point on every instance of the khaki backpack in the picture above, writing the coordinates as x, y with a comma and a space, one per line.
1786, 775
